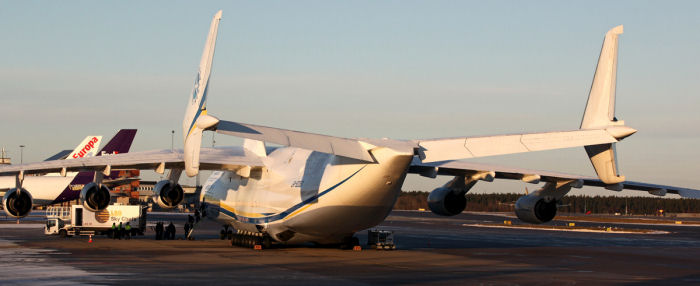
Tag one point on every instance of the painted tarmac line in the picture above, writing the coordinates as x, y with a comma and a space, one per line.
569, 230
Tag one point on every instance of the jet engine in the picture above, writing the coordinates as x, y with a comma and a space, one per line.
95, 197
445, 201
535, 208
17, 204
168, 194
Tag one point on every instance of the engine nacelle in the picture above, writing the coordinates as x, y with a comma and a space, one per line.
536, 209
444, 201
17, 204
168, 194
95, 198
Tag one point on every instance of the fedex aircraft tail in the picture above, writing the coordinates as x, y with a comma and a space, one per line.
600, 110
196, 119
120, 143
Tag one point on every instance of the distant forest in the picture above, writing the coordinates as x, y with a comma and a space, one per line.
572, 204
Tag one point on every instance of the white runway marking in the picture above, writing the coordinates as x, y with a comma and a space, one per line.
573, 230
22, 225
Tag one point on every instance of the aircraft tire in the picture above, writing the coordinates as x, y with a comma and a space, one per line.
266, 242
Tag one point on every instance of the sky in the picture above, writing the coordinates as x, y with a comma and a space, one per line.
397, 69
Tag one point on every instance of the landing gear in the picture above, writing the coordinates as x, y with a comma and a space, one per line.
250, 239
225, 233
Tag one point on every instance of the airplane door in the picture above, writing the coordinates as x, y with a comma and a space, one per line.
78, 217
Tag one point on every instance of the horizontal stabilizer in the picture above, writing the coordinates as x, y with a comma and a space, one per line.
345, 147
473, 147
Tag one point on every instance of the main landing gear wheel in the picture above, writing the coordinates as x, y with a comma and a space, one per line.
247, 240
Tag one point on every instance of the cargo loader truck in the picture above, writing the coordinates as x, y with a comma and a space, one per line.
76, 220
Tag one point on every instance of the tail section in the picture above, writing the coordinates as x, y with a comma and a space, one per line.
120, 143
87, 148
63, 154
196, 119
600, 110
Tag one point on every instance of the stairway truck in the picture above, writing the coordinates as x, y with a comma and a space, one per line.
80, 221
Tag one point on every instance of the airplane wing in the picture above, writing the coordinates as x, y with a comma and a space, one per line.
460, 168
482, 146
345, 147
211, 159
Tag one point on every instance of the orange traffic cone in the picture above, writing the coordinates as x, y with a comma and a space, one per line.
90, 241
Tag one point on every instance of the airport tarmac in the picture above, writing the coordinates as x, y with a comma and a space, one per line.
431, 250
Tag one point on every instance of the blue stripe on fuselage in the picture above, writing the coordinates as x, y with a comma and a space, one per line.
285, 213
199, 109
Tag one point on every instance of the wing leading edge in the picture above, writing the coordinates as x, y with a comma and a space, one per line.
233, 158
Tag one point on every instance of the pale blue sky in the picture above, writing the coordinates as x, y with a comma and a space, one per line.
400, 69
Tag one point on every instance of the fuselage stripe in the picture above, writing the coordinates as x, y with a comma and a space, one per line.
294, 210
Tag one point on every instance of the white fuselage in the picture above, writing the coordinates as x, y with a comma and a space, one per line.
43, 189
305, 196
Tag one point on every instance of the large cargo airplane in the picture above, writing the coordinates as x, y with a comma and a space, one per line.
323, 189
55, 188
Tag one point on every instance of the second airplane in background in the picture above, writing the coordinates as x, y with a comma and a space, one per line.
55, 188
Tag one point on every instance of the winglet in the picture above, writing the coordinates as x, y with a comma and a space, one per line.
196, 119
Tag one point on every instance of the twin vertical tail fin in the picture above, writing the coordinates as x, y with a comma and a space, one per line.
196, 119
600, 110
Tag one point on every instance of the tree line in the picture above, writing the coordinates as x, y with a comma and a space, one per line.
573, 204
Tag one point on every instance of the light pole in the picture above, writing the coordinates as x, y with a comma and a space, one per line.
172, 140
21, 154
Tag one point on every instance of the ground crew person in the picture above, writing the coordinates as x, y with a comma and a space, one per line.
128, 230
187, 230
120, 231
159, 230
113, 231
171, 231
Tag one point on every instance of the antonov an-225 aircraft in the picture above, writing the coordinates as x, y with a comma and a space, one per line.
323, 189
